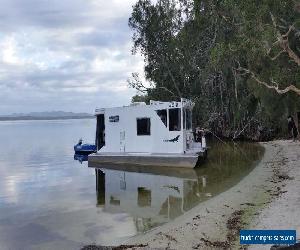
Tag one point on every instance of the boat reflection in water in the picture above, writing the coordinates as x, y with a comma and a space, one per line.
81, 158
150, 199
155, 195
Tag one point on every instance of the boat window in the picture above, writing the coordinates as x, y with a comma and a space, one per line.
143, 126
184, 118
188, 119
174, 119
162, 115
114, 118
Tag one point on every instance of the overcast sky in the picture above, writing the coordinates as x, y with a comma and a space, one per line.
70, 55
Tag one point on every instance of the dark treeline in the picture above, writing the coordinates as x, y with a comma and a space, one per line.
237, 60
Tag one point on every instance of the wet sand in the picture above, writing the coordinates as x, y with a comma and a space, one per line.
284, 210
268, 198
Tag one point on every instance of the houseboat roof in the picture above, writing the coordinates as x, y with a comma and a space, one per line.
153, 104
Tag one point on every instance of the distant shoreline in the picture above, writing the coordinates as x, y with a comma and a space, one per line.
31, 118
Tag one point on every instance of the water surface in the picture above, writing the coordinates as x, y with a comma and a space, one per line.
50, 201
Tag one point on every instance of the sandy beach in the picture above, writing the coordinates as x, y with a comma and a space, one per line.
268, 198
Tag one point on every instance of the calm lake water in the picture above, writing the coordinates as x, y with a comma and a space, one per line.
48, 200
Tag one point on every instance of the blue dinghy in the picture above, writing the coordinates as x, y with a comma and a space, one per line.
86, 149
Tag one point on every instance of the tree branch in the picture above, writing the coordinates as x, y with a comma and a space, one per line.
135, 82
283, 41
173, 79
275, 57
289, 88
164, 88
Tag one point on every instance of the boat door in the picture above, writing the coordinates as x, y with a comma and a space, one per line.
122, 141
100, 131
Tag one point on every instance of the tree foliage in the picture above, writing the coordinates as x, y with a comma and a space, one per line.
238, 60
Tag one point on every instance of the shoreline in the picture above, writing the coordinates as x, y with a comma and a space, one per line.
5, 119
215, 223
284, 211
267, 198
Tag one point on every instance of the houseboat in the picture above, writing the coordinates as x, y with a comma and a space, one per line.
158, 134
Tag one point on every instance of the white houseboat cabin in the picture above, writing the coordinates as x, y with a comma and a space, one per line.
156, 134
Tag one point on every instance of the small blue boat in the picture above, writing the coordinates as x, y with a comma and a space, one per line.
86, 149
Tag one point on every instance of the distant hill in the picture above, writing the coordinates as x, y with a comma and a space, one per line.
49, 115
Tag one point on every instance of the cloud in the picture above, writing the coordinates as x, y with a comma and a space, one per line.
55, 53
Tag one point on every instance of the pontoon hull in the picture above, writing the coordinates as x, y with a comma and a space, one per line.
169, 160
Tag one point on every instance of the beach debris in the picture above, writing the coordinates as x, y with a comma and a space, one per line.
285, 177
234, 225
121, 247
169, 237
197, 217
248, 204
215, 244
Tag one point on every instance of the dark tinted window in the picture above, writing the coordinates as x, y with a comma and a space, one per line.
188, 119
162, 115
174, 119
184, 118
143, 126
